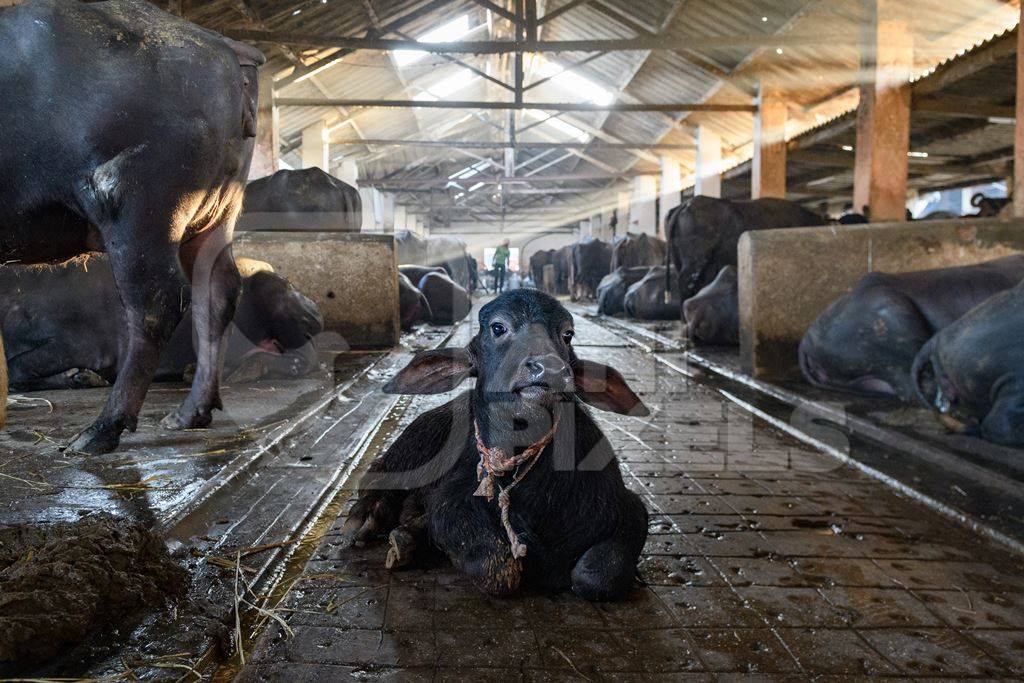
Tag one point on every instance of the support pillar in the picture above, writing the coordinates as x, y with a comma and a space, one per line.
642, 217
348, 172
622, 213
367, 198
1018, 138
709, 163
768, 169
315, 147
865, 111
890, 117
401, 221
671, 185
268, 131
387, 211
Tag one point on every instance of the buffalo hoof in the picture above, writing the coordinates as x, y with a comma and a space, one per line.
94, 440
401, 546
86, 379
187, 418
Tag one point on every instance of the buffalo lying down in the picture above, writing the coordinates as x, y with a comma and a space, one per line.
865, 342
513, 479
126, 129
645, 299
972, 372
713, 315
612, 289
412, 304
65, 327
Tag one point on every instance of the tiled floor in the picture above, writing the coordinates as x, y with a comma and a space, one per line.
765, 557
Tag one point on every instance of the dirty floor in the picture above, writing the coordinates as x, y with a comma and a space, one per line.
765, 557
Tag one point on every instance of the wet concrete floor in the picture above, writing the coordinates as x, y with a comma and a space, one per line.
765, 557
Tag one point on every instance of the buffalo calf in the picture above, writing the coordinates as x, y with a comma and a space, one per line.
512, 479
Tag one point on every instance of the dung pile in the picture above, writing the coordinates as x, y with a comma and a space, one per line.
62, 582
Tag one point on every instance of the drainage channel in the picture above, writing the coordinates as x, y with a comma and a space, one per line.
279, 574
972, 496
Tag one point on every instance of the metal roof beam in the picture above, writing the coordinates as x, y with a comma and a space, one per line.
640, 44
541, 106
467, 144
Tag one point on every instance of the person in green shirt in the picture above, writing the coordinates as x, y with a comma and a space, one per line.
500, 264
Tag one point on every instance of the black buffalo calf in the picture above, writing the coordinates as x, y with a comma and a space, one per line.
513, 479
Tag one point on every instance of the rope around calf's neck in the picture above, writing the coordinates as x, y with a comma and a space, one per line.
495, 462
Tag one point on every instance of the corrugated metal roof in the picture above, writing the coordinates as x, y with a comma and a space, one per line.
811, 71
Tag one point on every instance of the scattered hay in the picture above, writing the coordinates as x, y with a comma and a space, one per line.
60, 583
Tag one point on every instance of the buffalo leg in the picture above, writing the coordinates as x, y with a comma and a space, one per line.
606, 570
150, 285
473, 539
216, 283
75, 378
409, 535
1004, 423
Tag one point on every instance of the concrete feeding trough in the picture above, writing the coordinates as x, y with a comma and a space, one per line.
787, 277
352, 277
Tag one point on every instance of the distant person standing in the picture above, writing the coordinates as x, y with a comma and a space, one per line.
500, 264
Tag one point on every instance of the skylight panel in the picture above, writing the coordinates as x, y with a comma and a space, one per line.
559, 125
579, 86
446, 33
447, 86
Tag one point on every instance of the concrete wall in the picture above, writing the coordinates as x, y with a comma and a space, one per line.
351, 277
787, 277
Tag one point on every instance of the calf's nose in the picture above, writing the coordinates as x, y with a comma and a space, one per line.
548, 369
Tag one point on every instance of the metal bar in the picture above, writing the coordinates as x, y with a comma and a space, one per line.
572, 4
506, 180
596, 145
531, 20
542, 106
641, 44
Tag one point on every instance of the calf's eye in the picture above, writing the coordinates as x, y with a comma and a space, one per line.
567, 336
497, 329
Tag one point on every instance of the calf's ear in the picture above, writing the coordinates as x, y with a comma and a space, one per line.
433, 372
603, 387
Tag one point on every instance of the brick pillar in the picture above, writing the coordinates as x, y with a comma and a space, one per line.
768, 171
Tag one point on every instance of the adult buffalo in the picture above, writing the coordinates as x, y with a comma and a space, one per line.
538, 260
866, 341
412, 303
645, 299
612, 288
703, 234
307, 199
473, 270
415, 273
634, 250
65, 327
712, 316
130, 132
562, 261
449, 303
972, 372
591, 261
438, 251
